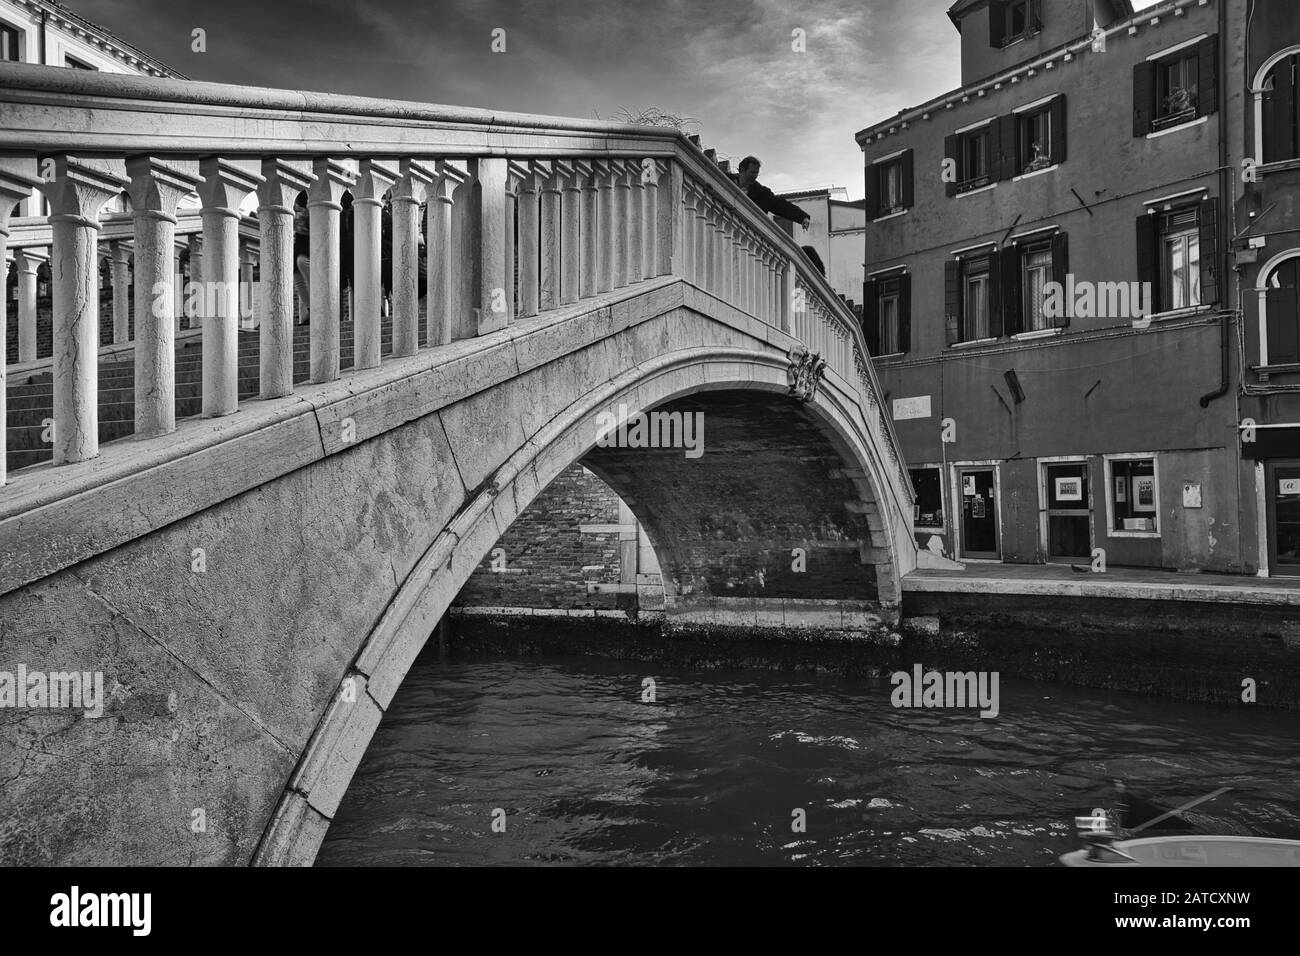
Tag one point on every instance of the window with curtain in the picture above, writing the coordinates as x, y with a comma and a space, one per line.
1180, 258
975, 299
1036, 272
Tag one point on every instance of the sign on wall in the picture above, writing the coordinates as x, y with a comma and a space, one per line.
1288, 486
916, 407
1191, 494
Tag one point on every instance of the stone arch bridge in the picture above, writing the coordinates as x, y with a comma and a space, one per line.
253, 581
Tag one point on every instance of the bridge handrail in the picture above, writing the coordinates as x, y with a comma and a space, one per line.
51, 111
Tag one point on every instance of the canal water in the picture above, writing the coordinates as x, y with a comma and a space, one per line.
714, 770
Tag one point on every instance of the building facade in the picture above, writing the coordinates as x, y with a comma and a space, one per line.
835, 232
1080, 280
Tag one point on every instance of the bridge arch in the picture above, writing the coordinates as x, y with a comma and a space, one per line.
687, 380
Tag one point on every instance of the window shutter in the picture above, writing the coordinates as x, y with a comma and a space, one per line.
1280, 114
1004, 162
1035, 16
996, 323
1209, 251
952, 300
950, 152
1207, 73
1013, 321
1060, 267
871, 315
997, 22
1282, 315
905, 312
1147, 246
1144, 97
871, 191
1057, 110
908, 188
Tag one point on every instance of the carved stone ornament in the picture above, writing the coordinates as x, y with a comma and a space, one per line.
805, 371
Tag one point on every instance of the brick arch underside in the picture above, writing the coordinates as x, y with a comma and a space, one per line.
726, 524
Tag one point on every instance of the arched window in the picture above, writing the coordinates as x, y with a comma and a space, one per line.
1279, 307
1277, 107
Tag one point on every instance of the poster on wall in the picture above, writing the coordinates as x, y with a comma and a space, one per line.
1121, 490
968, 485
1144, 493
1069, 489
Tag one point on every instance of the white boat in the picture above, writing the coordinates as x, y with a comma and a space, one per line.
1105, 851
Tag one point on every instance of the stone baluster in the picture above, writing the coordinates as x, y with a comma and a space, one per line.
282, 180
17, 179
374, 179
119, 255
178, 280
483, 304
651, 171
194, 299
79, 189
324, 205
687, 227
785, 293
156, 188
549, 236
410, 190
668, 212
703, 240
635, 221
605, 250
570, 230
528, 221
247, 286
622, 225
28, 261
443, 260
589, 229
729, 240
226, 184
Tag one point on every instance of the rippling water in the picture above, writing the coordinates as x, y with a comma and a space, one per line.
711, 772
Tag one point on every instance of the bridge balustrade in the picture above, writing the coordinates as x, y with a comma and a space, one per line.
524, 215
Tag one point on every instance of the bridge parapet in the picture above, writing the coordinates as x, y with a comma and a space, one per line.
525, 214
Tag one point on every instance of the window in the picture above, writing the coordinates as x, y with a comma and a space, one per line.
971, 297
1177, 253
1012, 20
1035, 273
9, 44
1132, 496
1180, 259
973, 164
1177, 88
1279, 114
886, 320
1280, 307
927, 513
1034, 140
889, 316
975, 298
889, 185
74, 63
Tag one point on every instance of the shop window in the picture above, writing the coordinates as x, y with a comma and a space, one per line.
1133, 496
927, 513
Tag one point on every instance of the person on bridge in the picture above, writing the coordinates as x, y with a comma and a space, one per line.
764, 198
768, 201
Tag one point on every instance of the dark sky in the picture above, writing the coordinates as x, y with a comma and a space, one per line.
726, 63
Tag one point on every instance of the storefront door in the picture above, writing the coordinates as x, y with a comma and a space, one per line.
979, 513
1068, 536
1283, 479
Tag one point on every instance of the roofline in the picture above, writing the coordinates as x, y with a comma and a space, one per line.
59, 10
1068, 50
